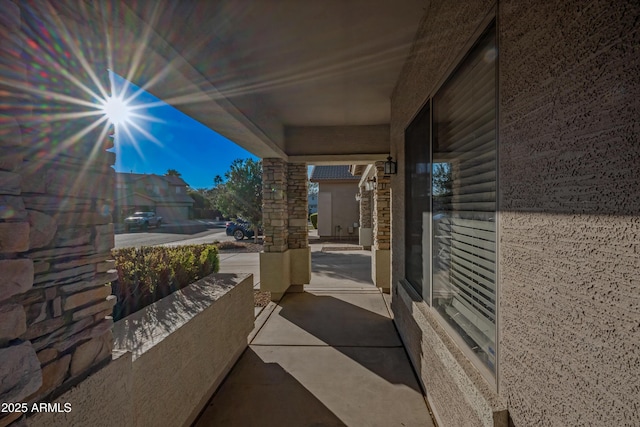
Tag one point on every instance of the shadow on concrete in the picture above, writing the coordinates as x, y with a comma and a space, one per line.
360, 334
354, 267
257, 393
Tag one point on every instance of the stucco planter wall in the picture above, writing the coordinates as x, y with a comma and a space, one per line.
172, 355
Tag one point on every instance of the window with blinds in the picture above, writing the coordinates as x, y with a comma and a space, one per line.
417, 204
463, 200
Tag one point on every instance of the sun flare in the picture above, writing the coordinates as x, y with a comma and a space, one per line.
117, 110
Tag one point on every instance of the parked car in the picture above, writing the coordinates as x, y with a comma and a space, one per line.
142, 220
239, 229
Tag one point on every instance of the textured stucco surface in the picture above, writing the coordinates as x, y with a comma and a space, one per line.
208, 325
275, 272
103, 399
569, 234
300, 265
457, 393
173, 354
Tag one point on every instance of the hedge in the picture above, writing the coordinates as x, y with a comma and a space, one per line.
314, 220
148, 274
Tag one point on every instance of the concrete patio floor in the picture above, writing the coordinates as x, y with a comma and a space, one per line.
329, 356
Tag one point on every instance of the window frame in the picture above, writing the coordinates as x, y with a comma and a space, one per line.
408, 224
488, 24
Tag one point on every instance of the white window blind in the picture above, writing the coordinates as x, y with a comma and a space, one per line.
464, 200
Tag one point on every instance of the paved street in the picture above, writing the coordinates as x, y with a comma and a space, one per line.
153, 237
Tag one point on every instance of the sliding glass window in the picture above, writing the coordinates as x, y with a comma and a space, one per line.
418, 193
464, 200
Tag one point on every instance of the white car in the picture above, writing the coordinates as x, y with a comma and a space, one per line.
142, 220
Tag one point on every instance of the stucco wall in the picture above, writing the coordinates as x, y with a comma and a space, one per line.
569, 311
344, 208
103, 399
569, 245
184, 346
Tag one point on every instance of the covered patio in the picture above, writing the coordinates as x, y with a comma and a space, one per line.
504, 246
330, 356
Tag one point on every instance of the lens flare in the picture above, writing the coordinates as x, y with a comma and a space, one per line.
117, 110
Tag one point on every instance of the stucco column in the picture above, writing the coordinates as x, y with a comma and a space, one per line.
365, 231
274, 261
300, 252
381, 218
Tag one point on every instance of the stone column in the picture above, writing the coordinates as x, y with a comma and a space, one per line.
56, 235
365, 231
20, 369
275, 275
381, 250
300, 252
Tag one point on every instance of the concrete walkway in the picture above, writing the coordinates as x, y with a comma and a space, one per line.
330, 356
231, 262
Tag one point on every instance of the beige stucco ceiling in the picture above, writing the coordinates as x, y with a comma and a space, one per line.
271, 64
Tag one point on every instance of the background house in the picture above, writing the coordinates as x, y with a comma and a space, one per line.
338, 213
313, 203
165, 195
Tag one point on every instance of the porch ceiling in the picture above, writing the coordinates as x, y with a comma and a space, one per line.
275, 64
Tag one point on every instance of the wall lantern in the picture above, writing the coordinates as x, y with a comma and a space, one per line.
358, 197
370, 184
390, 167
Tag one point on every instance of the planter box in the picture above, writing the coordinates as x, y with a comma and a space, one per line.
176, 351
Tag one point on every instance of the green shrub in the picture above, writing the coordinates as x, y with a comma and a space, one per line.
314, 220
148, 274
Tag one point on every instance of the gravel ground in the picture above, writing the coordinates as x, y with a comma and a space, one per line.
244, 246
260, 298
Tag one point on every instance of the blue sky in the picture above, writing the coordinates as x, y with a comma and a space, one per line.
186, 145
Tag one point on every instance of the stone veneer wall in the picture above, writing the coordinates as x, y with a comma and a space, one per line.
381, 215
365, 208
55, 225
297, 193
275, 219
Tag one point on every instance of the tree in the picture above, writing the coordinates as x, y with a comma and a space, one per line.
172, 172
313, 188
441, 179
241, 194
199, 196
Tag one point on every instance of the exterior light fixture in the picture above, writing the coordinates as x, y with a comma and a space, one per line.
370, 184
390, 167
358, 197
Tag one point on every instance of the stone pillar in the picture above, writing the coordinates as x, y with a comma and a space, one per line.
381, 250
275, 275
56, 235
300, 252
20, 369
275, 209
365, 231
